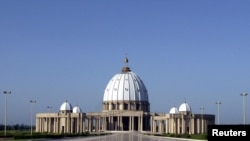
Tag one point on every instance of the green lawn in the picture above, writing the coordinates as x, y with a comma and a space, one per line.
193, 136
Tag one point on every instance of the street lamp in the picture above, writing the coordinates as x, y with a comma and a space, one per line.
202, 111
202, 122
49, 107
5, 117
32, 102
244, 107
218, 108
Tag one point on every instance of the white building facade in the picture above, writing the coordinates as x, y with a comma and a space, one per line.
125, 107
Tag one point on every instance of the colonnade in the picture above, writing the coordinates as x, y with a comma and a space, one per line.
67, 123
123, 121
91, 122
181, 124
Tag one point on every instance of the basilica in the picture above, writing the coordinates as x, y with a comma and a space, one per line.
125, 107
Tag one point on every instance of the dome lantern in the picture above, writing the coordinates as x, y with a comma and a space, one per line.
126, 68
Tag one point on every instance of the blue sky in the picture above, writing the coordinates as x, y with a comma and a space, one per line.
52, 51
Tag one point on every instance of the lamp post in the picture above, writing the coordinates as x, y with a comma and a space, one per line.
202, 111
5, 117
31, 115
202, 125
49, 107
218, 110
244, 107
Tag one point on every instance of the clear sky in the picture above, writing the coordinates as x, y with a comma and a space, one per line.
57, 50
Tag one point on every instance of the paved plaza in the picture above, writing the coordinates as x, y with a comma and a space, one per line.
126, 136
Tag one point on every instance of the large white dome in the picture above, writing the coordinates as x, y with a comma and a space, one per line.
125, 86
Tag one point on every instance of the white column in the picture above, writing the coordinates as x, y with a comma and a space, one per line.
141, 123
166, 125
130, 123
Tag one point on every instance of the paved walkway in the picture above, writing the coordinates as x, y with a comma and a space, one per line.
124, 136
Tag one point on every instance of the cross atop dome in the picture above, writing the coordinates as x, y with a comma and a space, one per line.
126, 61
126, 68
